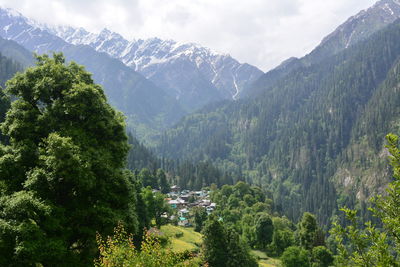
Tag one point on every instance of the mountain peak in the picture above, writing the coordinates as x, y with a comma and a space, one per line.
360, 27
177, 66
193, 74
383, 2
355, 29
106, 33
10, 12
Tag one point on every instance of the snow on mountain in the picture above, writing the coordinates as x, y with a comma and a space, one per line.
194, 75
186, 69
360, 27
145, 105
27, 32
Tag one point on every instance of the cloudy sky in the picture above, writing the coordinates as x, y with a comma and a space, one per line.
260, 32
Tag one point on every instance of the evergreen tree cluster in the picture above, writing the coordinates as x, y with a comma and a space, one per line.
303, 127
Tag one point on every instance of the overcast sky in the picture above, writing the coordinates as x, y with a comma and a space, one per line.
259, 32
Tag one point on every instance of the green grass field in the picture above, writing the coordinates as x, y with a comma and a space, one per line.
189, 239
264, 260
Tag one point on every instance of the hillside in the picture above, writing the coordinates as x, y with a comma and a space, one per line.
292, 137
357, 28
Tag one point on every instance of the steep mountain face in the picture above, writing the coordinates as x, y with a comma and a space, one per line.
146, 106
355, 29
364, 166
13, 58
306, 137
193, 74
17, 53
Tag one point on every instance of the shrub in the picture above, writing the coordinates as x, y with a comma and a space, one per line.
119, 250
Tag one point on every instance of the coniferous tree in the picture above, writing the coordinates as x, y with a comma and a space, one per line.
162, 181
200, 216
264, 230
148, 178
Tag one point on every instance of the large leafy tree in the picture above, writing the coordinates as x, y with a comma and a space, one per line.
214, 243
62, 176
282, 239
148, 178
307, 230
162, 181
321, 257
156, 205
264, 229
222, 246
295, 256
200, 216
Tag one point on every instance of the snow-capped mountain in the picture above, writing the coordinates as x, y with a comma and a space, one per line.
144, 104
14, 26
192, 74
195, 75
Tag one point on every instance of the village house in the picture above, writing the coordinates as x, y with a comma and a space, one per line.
183, 201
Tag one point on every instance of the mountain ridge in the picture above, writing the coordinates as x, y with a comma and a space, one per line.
353, 30
161, 61
146, 106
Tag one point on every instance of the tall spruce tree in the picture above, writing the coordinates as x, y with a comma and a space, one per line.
162, 181
62, 177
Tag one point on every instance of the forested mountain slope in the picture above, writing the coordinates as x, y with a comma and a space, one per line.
355, 29
16, 52
293, 137
363, 166
8, 67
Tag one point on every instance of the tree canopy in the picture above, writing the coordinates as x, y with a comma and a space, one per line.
62, 177
222, 246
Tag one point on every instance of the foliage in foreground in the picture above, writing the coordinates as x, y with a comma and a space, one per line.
223, 247
295, 256
119, 250
370, 246
62, 176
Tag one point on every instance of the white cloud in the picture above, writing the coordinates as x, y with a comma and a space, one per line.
260, 32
